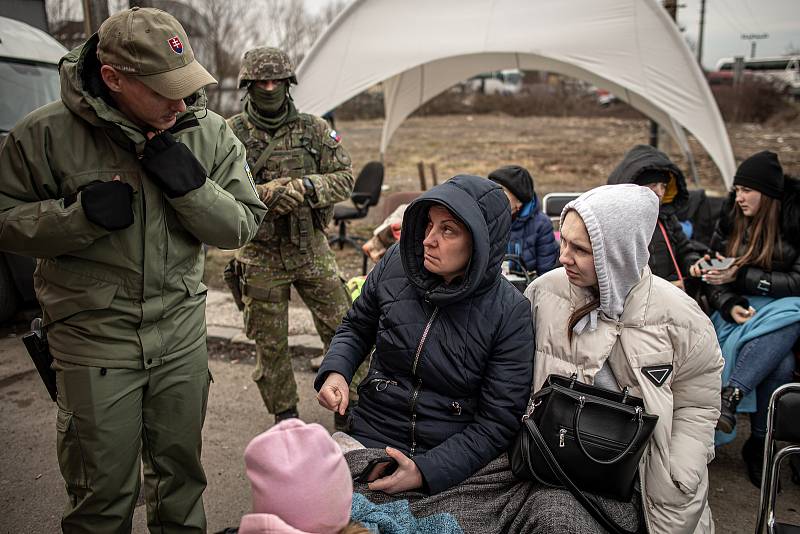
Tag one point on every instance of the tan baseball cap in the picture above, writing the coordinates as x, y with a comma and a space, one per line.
152, 45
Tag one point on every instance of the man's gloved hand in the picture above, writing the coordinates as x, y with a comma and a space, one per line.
172, 165
108, 204
296, 184
279, 197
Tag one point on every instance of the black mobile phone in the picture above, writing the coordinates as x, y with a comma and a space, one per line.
375, 469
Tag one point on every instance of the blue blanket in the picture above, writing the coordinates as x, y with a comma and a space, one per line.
771, 314
396, 518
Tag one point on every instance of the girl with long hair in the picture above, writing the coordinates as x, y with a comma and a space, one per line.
757, 299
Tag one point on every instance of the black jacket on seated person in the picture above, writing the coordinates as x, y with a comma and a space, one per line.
451, 374
784, 278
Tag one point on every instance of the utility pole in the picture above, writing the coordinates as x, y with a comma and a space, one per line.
672, 8
753, 38
94, 13
700, 33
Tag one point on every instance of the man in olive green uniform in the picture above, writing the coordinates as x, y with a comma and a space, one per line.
114, 189
301, 170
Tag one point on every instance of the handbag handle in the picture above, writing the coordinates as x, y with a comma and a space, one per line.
595, 511
576, 419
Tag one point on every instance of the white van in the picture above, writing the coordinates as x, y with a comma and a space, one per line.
502, 82
28, 80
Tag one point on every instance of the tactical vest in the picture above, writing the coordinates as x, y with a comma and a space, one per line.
295, 154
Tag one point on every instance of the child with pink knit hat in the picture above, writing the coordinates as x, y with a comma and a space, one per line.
300, 483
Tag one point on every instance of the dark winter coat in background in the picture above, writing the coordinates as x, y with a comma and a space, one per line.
783, 280
452, 369
532, 239
643, 158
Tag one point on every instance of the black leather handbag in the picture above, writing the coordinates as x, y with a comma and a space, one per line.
583, 438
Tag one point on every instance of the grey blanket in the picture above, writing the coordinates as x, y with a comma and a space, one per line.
492, 501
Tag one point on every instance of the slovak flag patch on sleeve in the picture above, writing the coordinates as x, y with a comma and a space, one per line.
175, 44
335, 136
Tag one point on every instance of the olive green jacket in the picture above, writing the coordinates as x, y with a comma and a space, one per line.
131, 298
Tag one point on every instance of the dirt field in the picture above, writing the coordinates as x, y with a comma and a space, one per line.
563, 154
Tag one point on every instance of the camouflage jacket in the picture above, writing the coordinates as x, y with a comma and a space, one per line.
305, 147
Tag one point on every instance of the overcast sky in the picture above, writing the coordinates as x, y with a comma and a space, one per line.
726, 21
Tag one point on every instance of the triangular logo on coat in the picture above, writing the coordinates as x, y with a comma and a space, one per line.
657, 374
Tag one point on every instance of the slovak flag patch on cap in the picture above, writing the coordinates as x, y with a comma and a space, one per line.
175, 44
335, 136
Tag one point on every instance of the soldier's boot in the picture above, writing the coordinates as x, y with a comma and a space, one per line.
289, 413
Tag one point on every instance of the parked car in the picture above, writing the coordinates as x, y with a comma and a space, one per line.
28, 80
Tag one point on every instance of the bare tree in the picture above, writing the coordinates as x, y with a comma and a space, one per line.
61, 10
293, 29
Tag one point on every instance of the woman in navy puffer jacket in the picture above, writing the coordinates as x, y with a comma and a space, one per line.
451, 374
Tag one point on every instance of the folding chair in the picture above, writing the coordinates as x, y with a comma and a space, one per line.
782, 425
553, 204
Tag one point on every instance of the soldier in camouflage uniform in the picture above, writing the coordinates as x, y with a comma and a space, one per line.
301, 170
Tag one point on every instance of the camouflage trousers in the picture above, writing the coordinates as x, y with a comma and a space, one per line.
269, 272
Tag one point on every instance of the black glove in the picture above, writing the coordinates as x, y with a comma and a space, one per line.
108, 204
172, 165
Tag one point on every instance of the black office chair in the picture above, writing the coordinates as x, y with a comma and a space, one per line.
783, 415
366, 193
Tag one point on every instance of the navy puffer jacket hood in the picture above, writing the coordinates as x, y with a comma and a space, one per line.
451, 371
483, 207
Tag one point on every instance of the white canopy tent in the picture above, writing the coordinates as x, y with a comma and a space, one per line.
419, 48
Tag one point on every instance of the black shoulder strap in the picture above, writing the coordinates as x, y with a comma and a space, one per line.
590, 506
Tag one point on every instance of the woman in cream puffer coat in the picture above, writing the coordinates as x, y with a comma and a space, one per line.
606, 317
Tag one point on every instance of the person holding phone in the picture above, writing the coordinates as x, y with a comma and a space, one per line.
753, 285
451, 373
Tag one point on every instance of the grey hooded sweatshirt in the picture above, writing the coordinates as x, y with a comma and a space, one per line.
620, 248
620, 220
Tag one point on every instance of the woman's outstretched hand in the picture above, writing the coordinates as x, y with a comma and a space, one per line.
334, 393
406, 476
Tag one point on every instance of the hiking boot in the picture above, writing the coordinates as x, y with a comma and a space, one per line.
753, 456
290, 413
731, 396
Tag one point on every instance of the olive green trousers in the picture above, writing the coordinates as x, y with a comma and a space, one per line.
110, 422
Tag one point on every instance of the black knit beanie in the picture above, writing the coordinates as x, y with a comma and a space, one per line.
762, 172
516, 179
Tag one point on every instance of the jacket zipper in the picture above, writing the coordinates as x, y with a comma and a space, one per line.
597, 441
418, 385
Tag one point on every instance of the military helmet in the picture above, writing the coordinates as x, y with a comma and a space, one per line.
265, 63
